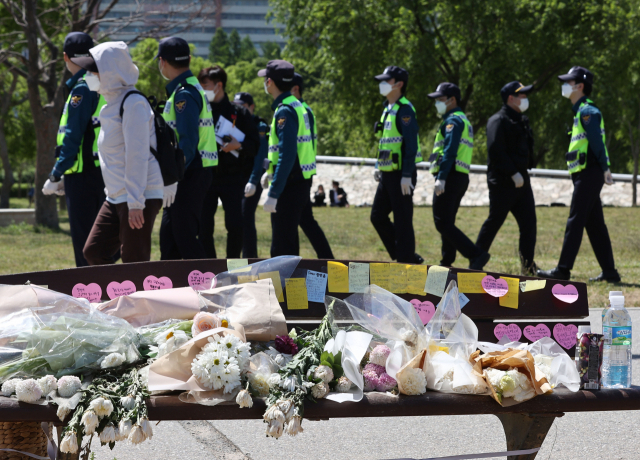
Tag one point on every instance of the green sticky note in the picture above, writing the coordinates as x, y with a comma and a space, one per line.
234, 264
358, 276
436, 280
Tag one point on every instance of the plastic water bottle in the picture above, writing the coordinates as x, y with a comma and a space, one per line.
607, 306
616, 363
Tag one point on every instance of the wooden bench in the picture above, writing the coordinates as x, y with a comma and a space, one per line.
525, 425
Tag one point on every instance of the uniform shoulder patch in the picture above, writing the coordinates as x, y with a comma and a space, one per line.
406, 120
181, 105
449, 128
76, 100
586, 119
281, 122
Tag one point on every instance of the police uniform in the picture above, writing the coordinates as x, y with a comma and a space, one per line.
77, 150
292, 163
510, 150
451, 163
587, 161
189, 114
398, 153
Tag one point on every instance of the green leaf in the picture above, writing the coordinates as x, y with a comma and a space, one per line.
337, 372
325, 356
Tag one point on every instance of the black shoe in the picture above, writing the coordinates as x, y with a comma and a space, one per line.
479, 262
610, 276
418, 259
556, 274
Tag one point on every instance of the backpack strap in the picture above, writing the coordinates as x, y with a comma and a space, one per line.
135, 91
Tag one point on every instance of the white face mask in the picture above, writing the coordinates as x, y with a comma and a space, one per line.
160, 69
385, 88
211, 95
265, 87
567, 90
93, 82
524, 105
441, 107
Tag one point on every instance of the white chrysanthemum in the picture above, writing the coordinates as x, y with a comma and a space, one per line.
225, 321
307, 386
63, 411
118, 434
146, 428
112, 360
294, 426
125, 427
287, 407
244, 399
102, 407
136, 436
216, 370
409, 336
28, 391
320, 390
281, 359
324, 373
108, 434
229, 343
274, 379
344, 385
69, 444
289, 384
90, 421
242, 353
259, 383
48, 383
413, 381
128, 402
68, 386
169, 341
275, 414
9, 387
275, 429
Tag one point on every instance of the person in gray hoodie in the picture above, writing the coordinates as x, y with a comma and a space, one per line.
133, 182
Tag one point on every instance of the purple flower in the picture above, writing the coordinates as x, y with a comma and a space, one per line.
379, 355
285, 344
375, 368
370, 380
385, 382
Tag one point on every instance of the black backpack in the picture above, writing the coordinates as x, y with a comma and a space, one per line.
169, 154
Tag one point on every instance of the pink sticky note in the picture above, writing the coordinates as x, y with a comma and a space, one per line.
512, 331
567, 294
495, 287
115, 289
425, 309
565, 335
534, 333
201, 281
92, 292
151, 283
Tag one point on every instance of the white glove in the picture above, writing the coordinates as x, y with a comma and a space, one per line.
608, 178
51, 188
249, 189
406, 185
376, 175
265, 179
270, 204
169, 194
439, 188
518, 180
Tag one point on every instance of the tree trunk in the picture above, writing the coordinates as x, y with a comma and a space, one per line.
19, 183
5, 191
634, 180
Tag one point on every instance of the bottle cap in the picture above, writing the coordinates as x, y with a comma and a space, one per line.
615, 293
617, 300
584, 330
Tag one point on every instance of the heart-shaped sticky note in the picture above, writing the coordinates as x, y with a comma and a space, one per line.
425, 310
512, 331
202, 281
567, 294
565, 335
495, 287
151, 283
534, 333
115, 289
92, 292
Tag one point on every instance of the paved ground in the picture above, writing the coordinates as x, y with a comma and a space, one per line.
575, 436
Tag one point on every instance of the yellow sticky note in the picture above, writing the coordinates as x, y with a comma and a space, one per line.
379, 274
532, 285
436, 280
297, 294
510, 299
358, 276
338, 277
234, 264
471, 283
416, 278
398, 278
247, 279
277, 284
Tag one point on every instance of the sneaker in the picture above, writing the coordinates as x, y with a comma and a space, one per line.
479, 262
556, 274
610, 276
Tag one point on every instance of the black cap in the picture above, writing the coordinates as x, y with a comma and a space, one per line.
278, 70
513, 88
446, 89
297, 81
174, 49
243, 98
86, 63
579, 74
78, 44
395, 72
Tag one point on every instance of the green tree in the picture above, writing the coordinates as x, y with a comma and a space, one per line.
271, 50
220, 48
235, 46
248, 51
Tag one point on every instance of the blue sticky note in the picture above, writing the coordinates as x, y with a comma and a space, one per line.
316, 286
463, 299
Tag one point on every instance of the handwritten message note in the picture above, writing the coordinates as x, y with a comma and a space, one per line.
277, 284
565, 335
471, 283
567, 294
494, 287
398, 278
510, 299
338, 277
92, 292
201, 281
115, 289
379, 274
532, 285
151, 283
416, 279
316, 286
512, 331
297, 294
358, 276
436, 280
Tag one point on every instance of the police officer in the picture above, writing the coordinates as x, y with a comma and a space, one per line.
510, 147
76, 173
398, 153
450, 165
308, 223
292, 160
253, 189
588, 163
188, 113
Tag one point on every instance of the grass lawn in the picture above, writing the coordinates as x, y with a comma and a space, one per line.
351, 235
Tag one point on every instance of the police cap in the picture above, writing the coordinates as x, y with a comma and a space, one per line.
278, 70
395, 72
78, 44
174, 49
446, 89
514, 88
579, 74
297, 81
243, 98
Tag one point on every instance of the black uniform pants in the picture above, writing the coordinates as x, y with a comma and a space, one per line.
231, 195
286, 219
520, 202
586, 213
249, 233
182, 221
316, 236
84, 194
445, 208
397, 236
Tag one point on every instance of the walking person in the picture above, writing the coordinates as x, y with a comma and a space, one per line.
450, 165
510, 147
588, 163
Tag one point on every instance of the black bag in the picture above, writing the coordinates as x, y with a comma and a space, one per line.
169, 154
